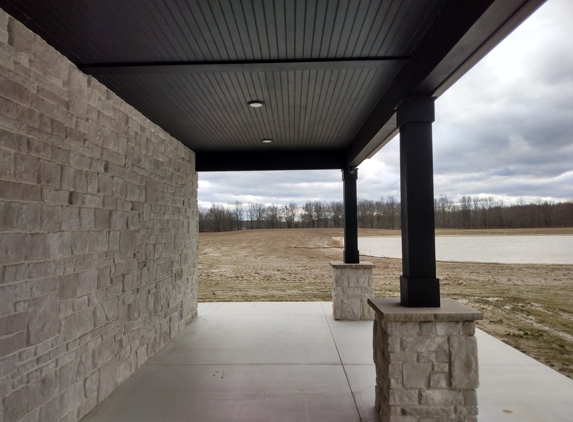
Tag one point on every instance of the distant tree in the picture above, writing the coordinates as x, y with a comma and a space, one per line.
465, 212
290, 211
545, 209
337, 213
318, 213
272, 216
309, 215
393, 207
260, 213
237, 212
251, 214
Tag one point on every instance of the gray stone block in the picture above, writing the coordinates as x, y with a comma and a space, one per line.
59, 244
68, 177
108, 378
449, 328
441, 397
91, 384
19, 191
401, 397
14, 323
469, 328
50, 411
102, 219
98, 241
403, 329
70, 218
424, 344
20, 37
79, 161
417, 375
6, 164
126, 246
37, 247
55, 197
427, 329
12, 247
49, 174
78, 94
8, 215
29, 217
351, 310
51, 218
80, 242
439, 381
70, 399
11, 343
470, 398
43, 314
464, 362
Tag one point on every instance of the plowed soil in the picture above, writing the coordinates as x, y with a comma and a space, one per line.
527, 306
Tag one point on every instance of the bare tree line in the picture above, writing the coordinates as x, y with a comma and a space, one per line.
313, 214
470, 212
477, 212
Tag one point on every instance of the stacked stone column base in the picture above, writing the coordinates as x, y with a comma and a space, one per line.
426, 362
351, 289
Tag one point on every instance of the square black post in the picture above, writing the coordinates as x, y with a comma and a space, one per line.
351, 254
419, 286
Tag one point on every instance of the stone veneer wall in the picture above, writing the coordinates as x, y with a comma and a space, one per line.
98, 234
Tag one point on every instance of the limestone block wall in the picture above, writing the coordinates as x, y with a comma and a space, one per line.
98, 234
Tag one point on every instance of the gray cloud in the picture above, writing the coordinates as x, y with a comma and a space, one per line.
505, 129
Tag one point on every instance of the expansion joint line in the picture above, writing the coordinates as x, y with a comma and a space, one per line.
343, 367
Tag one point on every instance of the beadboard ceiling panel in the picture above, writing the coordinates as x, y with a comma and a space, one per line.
330, 72
153, 31
317, 109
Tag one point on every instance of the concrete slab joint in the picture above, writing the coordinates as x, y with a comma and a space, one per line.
351, 288
426, 362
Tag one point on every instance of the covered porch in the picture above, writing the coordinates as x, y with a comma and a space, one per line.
291, 361
104, 127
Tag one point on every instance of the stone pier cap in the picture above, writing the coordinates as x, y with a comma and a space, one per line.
390, 309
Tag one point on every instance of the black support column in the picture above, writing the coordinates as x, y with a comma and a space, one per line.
351, 255
419, 286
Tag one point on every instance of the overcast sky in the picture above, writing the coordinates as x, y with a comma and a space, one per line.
505, 129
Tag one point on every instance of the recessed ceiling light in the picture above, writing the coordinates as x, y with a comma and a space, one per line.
267, 141
256, 104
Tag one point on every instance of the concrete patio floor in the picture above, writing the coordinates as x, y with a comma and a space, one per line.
290, 361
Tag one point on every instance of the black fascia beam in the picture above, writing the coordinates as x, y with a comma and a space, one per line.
238, 66
497, 23
269, 160
453, 21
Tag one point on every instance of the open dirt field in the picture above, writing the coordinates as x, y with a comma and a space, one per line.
527, 306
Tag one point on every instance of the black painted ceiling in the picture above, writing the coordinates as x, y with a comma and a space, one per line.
330, 72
